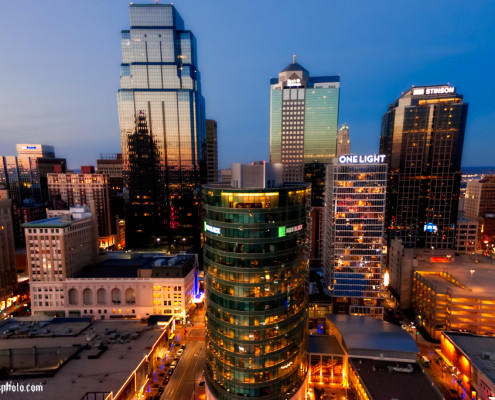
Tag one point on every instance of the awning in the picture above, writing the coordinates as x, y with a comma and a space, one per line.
445, 359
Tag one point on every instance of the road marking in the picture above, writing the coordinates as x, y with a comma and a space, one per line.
183, 375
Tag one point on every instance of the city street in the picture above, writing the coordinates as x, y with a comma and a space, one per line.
187, 375
188, 372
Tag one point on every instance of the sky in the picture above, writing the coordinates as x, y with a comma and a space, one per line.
59, 67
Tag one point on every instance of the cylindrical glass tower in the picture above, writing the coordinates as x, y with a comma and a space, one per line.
257, 302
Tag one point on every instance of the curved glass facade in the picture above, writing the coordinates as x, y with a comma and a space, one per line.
257, 303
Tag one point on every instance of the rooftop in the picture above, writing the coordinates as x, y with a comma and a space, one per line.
81, 374
382, 382
479, 349
55, 222
161, 266
478, 283
324, 344
366, 333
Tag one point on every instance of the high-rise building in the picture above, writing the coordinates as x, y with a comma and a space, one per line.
211, 153
160, 81
112, 166
143, 208
343, 141
35, 150
354, 233
8, 275
58, 248
24, 175
422, 137
303, 119
303, 135
28, 211
479, 205
79, 189
256, 299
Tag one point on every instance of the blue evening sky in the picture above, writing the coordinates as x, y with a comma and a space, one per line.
59, 67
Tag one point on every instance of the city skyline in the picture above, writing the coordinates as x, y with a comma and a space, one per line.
66, 81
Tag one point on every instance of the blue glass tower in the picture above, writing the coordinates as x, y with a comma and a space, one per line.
160, 81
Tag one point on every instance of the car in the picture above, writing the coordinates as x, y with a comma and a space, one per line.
179, 353
183, 347
171, 371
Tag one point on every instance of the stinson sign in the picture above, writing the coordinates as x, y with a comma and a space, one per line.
433, 90
362, 159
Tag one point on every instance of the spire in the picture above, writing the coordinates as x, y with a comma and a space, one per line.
294, 59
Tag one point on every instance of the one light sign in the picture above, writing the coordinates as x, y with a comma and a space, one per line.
212, 229
433, 90
369, 159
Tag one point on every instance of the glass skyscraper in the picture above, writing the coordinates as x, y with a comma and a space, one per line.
423, 136
160, 82
303, 119
256, 298
354, 233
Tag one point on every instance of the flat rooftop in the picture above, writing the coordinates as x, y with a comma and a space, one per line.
479, 349
382, 382
79, 376
55, 222
479, 283
367, 333
161, 266
325, 344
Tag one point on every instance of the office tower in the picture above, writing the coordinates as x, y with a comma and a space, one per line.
59, 247
256, 298
466, 234
78, 190
112, 166
8, 274
143, 208
226, 176
422, 137
343, 141
211, 153
35, 150
160, 81
303, 119
24, 175
479, 205
28, 211
355, 201
47, 166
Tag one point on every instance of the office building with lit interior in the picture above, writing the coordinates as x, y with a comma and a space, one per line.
161, 117
422, 137
256, 273
303, 119
354, 233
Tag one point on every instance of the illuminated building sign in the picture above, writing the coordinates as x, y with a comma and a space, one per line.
28, 147
429, 227
372, 158
212, 229
294, 82
281, 231
293, 229
434, 90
